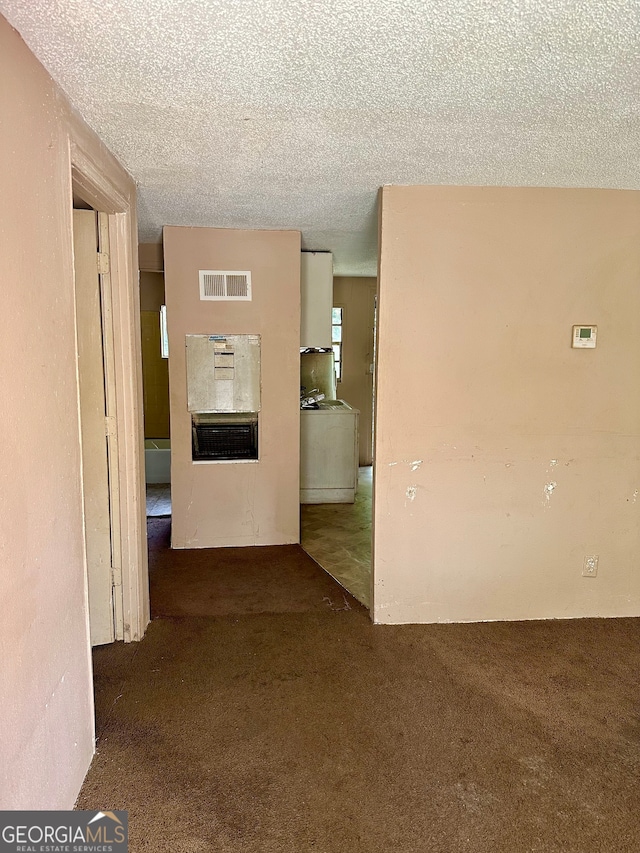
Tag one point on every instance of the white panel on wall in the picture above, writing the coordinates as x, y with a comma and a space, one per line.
223, 373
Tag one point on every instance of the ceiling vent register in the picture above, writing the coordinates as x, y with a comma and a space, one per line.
227, 285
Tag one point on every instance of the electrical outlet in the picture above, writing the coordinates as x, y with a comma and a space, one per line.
590, 566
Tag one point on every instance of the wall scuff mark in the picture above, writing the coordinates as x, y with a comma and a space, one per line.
548, 491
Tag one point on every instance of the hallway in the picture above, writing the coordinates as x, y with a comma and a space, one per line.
338, 537
264, 713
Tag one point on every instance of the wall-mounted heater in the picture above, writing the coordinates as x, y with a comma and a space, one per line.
224, 436
223, 395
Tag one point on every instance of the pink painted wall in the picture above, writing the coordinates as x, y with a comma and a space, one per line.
357, 298
237, 503
46, 691
504, 456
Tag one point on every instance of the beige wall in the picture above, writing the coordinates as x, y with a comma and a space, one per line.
356, 296
237, 503
150, 257
504, 456
155, 369
155, 378
151, 290
46, 691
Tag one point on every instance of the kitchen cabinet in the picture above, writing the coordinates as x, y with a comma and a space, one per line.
329, 454
316, 299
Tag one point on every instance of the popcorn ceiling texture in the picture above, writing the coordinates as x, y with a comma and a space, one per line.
291, 113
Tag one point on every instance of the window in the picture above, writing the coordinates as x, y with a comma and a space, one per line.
164, 336
336, 340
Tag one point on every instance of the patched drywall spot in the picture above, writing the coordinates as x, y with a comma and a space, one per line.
549, 489
553, 463
414, 464
411, 492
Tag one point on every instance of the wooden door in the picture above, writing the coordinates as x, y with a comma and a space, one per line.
93, 427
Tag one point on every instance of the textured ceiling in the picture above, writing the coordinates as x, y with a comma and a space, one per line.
291, 113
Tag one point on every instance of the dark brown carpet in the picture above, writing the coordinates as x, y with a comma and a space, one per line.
297, 730
227, 581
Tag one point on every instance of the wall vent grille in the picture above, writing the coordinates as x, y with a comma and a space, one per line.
232, 285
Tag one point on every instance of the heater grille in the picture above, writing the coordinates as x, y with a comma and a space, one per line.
232, 285
225, 440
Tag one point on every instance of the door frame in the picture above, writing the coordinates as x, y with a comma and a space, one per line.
93, 186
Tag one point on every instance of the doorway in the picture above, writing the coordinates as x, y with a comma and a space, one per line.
98, 433
338, 535
155, 384
102, 225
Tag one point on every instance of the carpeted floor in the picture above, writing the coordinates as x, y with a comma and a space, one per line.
227, 581
299, 726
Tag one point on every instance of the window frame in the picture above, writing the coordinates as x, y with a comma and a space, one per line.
338, 359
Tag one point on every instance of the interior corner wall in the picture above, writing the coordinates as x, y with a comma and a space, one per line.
246, 502
151, 290
357, 298
46, 688
150, 258
503, 455
155, 370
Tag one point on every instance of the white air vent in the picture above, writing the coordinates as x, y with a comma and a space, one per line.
225, 284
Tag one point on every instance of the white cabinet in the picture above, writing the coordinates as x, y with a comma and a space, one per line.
329, 454
316, 298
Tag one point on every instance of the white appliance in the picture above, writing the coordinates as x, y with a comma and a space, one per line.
329, 453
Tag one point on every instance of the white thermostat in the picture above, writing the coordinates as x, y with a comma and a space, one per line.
584, 337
